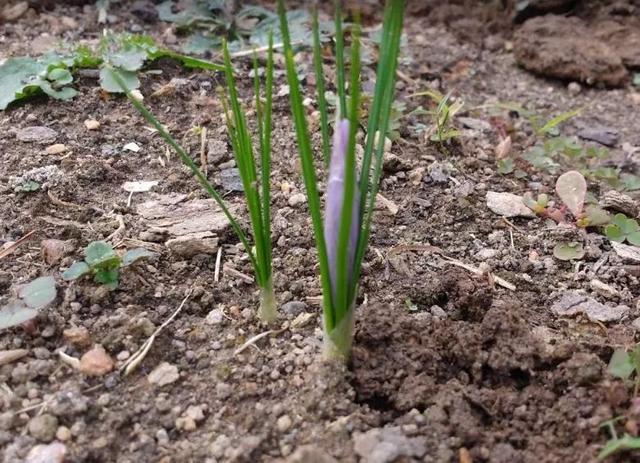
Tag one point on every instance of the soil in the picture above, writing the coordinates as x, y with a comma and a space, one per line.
448, 365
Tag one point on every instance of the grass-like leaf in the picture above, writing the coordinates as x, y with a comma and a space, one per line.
243, 152
339, 254
308, 170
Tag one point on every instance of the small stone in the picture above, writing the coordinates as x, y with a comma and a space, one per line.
284, 423
53, 251
56, 149
132, 146
572, 303
219, 446
191, 245
214, 317
230, 179
164, 374
604, 289
92, 124
185, 423
603, 135
298, 198
43, 427
37, 134
63, 433
574, 88
162, 436
11, 12
195, 412
438, 311
294, 308
415, 175
310, 454
77, 336
626, 252
96, 362
486, 254
385, 445
223, 390
123, 355
508, 205
52, 453
636, 324
8, 356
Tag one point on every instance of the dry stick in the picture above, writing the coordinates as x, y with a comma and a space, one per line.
477, 271
58, 202
256, 338
242, 53
14, 246
121, 226
451, 260
141, 353
216, 273
203, 151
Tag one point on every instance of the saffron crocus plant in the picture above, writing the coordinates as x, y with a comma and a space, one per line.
256, 187
341, 238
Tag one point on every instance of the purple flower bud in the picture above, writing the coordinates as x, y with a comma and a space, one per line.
333, 205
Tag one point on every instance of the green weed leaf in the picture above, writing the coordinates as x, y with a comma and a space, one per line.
108, 83
621, 364
133, 255
39, 292
15, 313
568, 251
76, 270
626, 442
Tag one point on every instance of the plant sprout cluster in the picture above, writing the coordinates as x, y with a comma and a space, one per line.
342, 232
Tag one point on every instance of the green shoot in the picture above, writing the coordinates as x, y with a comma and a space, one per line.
341, 239
256, 191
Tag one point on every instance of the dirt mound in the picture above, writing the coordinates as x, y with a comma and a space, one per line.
489, 382
566, 48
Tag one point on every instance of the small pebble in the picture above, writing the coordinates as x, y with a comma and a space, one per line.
284, 423
574, 88
43, 427
56, 149
92, 124
298, 198
63, 433
96, 362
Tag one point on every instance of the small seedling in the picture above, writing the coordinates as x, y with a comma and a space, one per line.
623, 229
617, 444
52, 74
539, 205
101, 261
442, 129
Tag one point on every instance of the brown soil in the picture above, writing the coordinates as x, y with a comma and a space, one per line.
472, 372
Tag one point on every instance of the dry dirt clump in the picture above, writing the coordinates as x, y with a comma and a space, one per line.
566, 48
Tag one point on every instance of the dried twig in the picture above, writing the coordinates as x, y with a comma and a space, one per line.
251, 341
203, 150
58, 202
236, 273
216, 273
120, 230
132, 363
9, 249
479, 272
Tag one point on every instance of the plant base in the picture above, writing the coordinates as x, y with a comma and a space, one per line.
268, 305
337, 343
